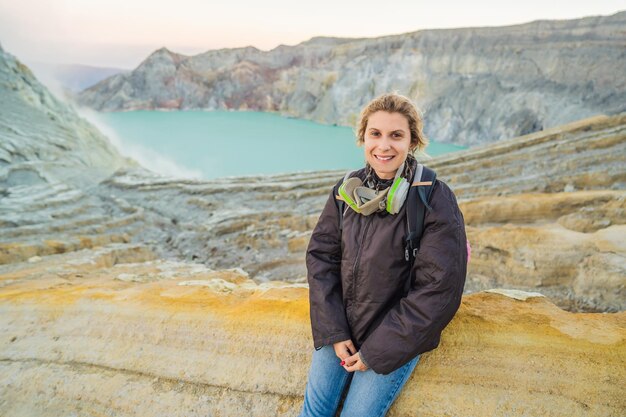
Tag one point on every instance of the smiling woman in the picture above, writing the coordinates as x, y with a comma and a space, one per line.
374, 309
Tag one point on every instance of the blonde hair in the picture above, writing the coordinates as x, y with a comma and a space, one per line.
395, 103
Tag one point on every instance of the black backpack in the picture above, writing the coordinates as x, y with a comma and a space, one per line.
417, 202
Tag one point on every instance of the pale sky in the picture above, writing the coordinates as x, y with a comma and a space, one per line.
121, 33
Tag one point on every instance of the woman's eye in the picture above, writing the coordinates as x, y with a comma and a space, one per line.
395, 135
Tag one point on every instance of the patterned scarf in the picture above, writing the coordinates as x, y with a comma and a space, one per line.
373, 181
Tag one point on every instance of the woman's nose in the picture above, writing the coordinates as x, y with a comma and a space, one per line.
384, 144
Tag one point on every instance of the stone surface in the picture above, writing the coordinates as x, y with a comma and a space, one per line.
183, 340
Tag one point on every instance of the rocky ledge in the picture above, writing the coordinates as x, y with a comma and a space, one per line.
104, 332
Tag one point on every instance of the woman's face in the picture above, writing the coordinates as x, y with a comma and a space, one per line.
387, 141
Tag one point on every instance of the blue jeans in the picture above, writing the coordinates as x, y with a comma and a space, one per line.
368, 393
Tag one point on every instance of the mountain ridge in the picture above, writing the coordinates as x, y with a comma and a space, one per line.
475, 85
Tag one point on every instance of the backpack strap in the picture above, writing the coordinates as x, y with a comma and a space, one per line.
341, 205
419, 195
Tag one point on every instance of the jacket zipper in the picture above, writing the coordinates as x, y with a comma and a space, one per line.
358, 256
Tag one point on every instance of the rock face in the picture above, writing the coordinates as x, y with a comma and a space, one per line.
86, 334
123, 292
43, 140
545, 210
475, 85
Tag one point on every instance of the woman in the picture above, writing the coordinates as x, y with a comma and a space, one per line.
368, 332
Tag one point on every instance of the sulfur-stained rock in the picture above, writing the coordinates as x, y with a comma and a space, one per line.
298, 244
584, 206
189, 341
564, 264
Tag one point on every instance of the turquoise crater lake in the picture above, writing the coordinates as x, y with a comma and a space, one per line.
214, 144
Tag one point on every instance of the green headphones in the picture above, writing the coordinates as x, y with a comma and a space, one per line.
366, 201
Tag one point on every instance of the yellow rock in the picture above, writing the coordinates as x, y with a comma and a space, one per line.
185, 341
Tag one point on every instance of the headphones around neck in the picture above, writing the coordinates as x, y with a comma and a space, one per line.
366, 201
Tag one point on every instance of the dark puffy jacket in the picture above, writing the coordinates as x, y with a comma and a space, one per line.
356, 280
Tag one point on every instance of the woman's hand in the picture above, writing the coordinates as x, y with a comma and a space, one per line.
350, 358
354, 363
344, 349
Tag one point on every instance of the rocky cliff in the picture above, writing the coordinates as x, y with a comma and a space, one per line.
44, 140
475, 85
125, 292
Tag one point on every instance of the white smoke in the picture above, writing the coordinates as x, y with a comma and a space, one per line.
146, 157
